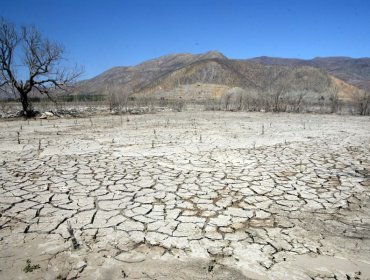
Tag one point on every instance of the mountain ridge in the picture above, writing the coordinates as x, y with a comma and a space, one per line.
355, 71
169, 72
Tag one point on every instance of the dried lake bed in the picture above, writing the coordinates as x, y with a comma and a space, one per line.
188, 195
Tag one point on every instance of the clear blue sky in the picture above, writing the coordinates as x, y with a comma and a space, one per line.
103, 34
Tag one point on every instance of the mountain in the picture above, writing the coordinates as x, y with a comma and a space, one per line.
212, 74
131, 79
237, 73
355, 71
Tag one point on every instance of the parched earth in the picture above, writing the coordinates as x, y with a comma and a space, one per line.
191, 195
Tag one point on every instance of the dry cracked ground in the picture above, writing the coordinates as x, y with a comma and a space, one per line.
191, 195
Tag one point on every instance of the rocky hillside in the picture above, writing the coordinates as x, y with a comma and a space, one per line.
213, 71
236, 73
132, 79
355, 71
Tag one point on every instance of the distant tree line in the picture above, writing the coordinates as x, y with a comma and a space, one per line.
291, 101
236, 99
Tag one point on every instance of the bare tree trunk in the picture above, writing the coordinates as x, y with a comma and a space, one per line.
241, 102
26, 105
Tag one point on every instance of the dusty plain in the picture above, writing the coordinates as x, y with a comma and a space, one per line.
188, 195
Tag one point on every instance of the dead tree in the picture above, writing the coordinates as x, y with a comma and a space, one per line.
31, 63
362, 101
334, 100
296, 99
276, 88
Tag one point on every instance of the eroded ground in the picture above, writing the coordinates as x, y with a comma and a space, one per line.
186, 196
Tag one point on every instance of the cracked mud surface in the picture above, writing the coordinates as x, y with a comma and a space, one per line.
193, 195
